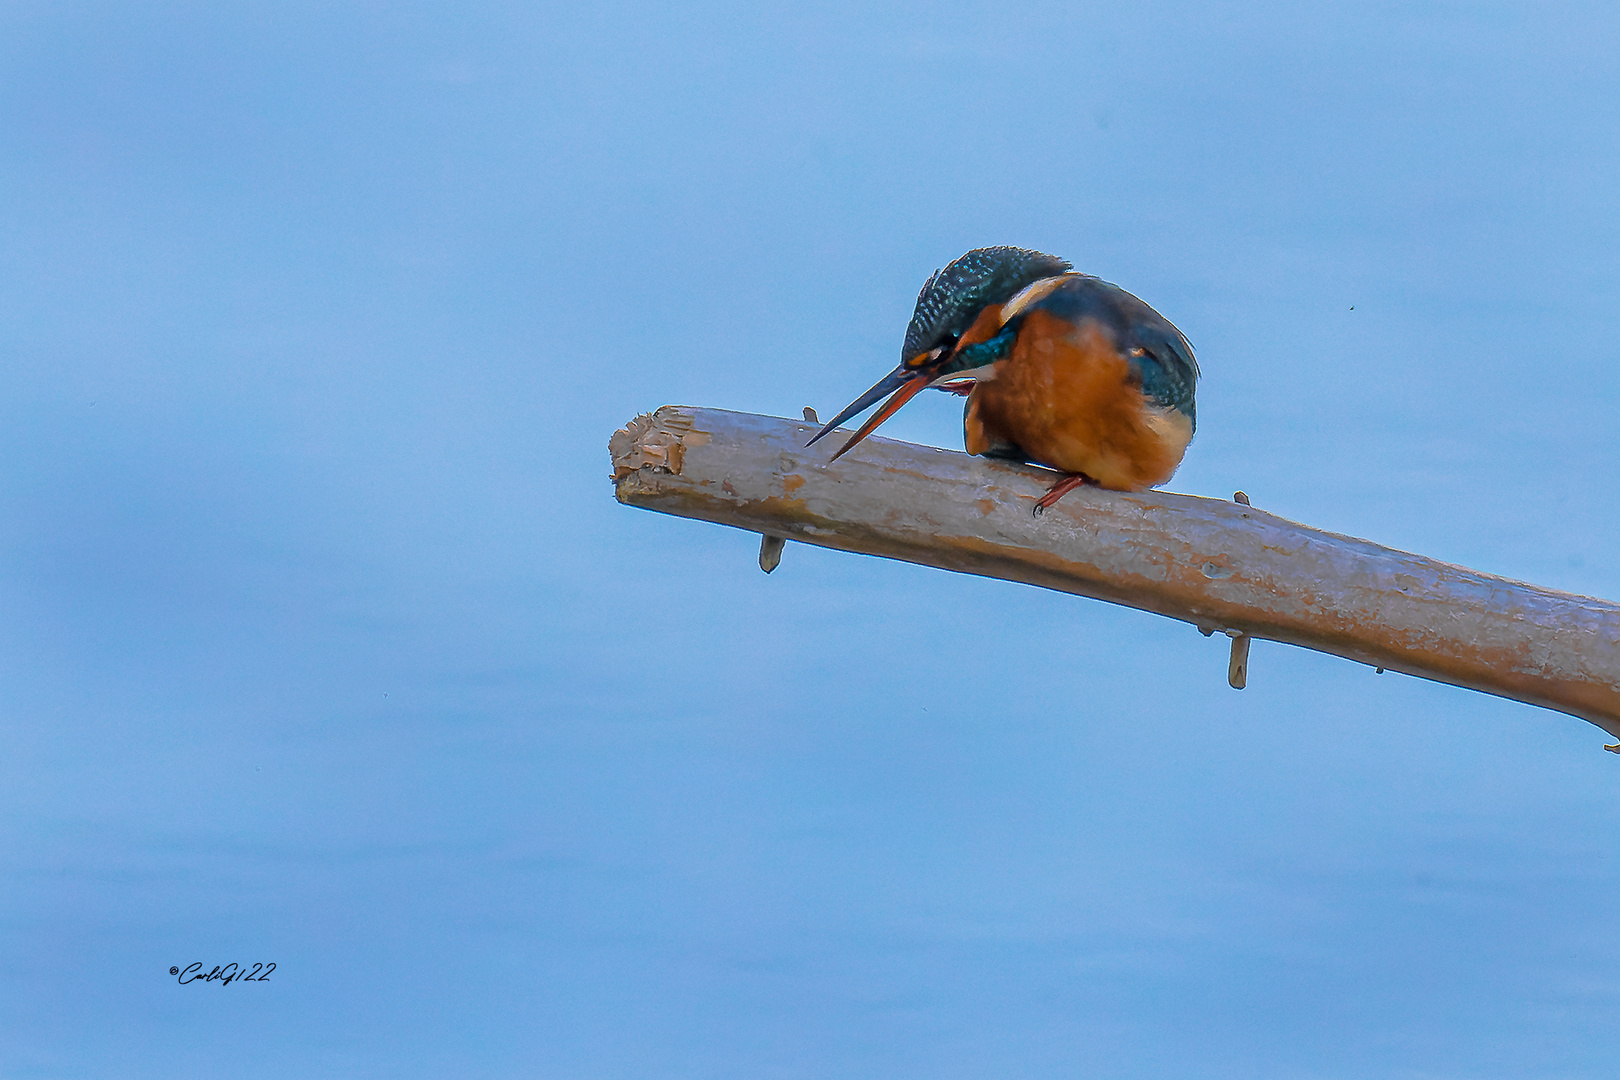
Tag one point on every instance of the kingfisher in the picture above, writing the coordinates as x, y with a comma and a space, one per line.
1059, 368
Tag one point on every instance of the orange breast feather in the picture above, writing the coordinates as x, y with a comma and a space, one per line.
1066, 396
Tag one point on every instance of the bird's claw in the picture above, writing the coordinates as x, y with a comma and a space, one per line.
1060, 489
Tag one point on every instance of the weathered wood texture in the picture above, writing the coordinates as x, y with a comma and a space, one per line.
1219, 565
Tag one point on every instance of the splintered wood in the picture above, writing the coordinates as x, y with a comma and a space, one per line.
1219, 565
650, 441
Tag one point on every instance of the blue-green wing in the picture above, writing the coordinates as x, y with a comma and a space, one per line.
1158, 353
1168, 371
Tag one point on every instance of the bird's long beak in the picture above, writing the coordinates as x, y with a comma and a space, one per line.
894, 380
890, 407
905, 381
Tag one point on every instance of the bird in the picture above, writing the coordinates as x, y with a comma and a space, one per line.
1059, 368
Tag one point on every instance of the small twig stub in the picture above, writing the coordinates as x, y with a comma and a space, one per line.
1237, 667
770, 552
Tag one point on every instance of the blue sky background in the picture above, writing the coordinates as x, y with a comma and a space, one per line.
323, 642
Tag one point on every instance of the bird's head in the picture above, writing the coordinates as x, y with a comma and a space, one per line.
948, 307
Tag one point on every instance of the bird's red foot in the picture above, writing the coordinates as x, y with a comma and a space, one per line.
1060, 489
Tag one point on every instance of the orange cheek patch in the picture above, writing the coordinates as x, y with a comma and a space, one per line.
985, 327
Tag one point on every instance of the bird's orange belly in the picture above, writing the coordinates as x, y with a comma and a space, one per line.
1066, 396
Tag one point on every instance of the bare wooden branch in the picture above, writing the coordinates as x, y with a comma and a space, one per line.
1219, 565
